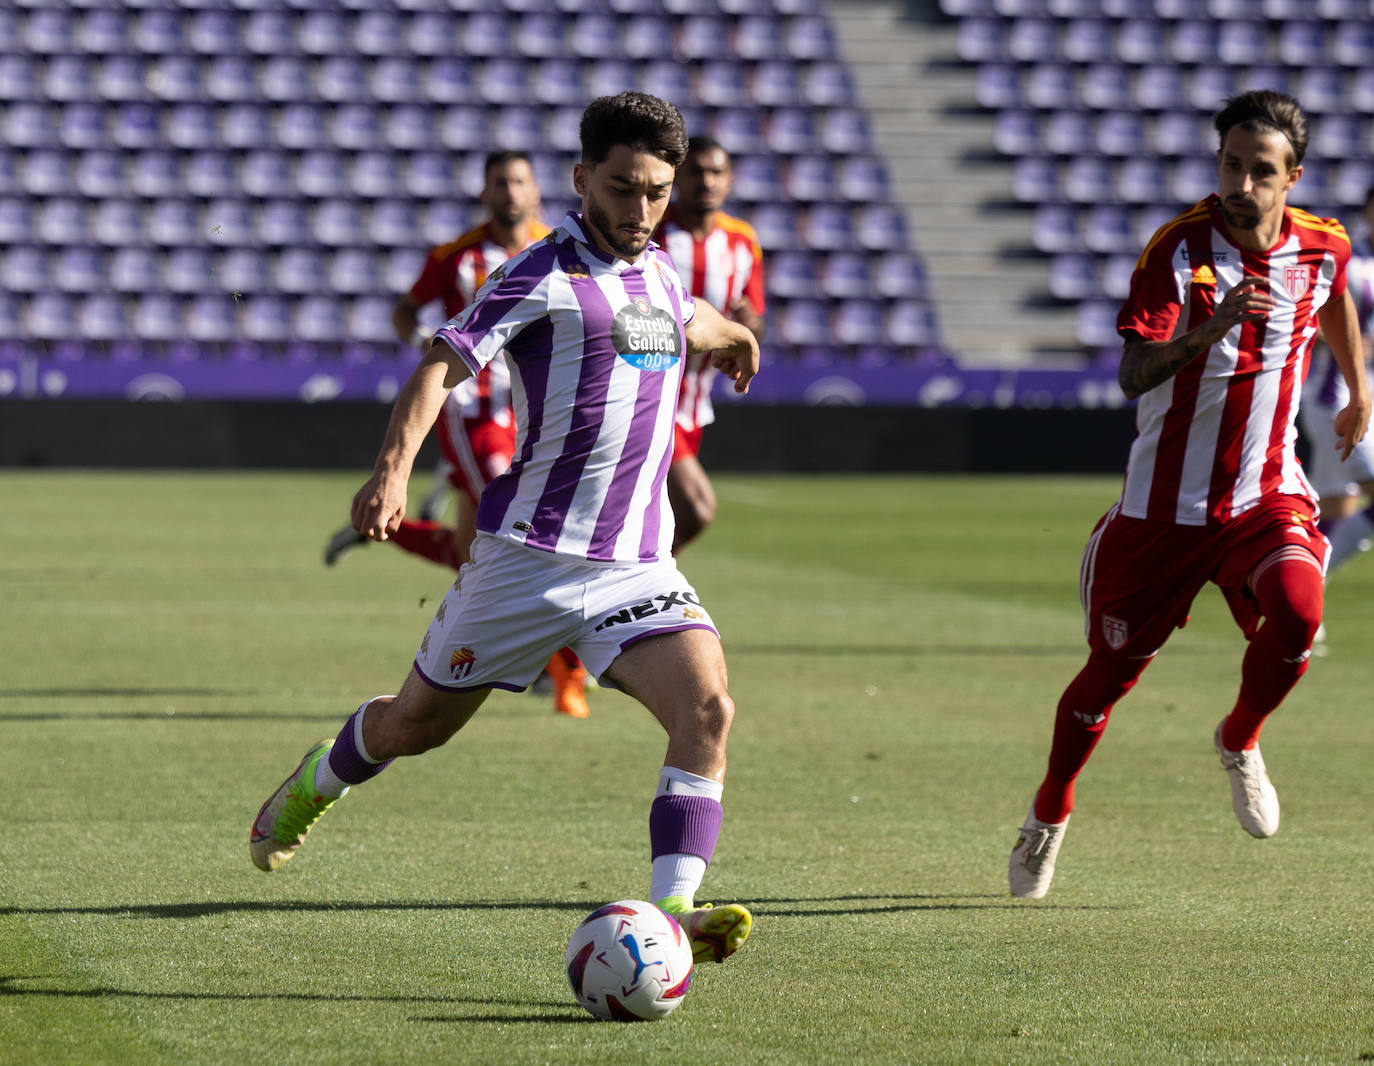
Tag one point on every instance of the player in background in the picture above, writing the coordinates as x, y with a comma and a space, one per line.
476, 427
574, 540
719, 259
1223, 305
1340, 484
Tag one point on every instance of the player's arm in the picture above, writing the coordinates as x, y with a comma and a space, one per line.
1340, 325
405, 320
1146, 364
734, 350
380, 504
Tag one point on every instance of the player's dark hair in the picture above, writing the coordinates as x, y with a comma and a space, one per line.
705, 143
1264, 109
500, 159
639, 121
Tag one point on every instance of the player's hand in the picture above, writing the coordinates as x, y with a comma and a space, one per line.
379, 506
1352, 422
739, 363
1249, 301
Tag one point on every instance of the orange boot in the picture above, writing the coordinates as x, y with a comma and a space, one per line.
569, 684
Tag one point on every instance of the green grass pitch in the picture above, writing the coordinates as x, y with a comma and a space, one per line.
171, 644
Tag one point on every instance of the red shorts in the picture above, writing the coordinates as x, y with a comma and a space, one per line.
481, 452
1139, 577
686, 442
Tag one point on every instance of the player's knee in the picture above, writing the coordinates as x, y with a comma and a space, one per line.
1295, 627
710, 719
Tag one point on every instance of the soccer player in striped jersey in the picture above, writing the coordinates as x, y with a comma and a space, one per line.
574, 540
1223, 306
720, 261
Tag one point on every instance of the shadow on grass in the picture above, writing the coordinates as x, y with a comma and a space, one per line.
776, 907
869, 903
14, 985
111, 693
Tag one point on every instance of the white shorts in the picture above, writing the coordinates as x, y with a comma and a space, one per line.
512, 607
1323, 398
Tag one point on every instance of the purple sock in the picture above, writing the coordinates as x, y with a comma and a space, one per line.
346, 761
687, 825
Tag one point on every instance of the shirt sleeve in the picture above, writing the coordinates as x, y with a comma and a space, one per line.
505, 306
753, 288
1152, 308
434, 280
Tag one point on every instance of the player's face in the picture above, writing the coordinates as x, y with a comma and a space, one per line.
511, 194
1254, 176
703, 180
623, 199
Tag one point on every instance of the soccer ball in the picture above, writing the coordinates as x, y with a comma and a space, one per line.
629, 962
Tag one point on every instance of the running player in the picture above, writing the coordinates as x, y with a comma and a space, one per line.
720, 261
1221, 313
574, 540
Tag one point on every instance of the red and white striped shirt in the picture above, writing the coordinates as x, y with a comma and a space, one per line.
720, 268
1219, 435
453, 273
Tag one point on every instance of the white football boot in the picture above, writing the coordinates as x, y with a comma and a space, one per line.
1031, 868
1253, 797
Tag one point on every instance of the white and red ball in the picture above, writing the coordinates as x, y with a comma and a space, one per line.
629, 962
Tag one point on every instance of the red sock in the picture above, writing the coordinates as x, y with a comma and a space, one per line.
569, 657
1078, 725
1288, 586
429, 539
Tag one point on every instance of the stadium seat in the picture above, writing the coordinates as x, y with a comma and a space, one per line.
1352, 43
336, 223
540, 34
282, 224
828, 228
103, 317
158, 317
319, 174
1210, 87
998, 85
862, 178
804, 322
379, 32
1121, 133
845, 131
49, 31
1107, 228
447, 80
317, 318
504, 82
212, 31
242, 270
189, 126
1035, 180
100, 174
265, 173
244, 126
24, 268
1050, 86
66, 79
775, 83
858, 322
810, 37
16, 221
323, 32
738, 129
1107, 87
227, 79
1140, 41
1115, 276
1159, 87
229, 222
791, 131
1055, 228
981, 40
560, 128
594, 35
845, 275
427, 175
1140, 180
368, 319
431, 33
19, 80
1033, 40
791, 274
828, 84
1088, 179
557, 82
1068, 132
516, 124
153, 174
1095, 324
158, 31
1086, 40
1072, 277
809, 178
1323, 89
391, 80
1192, 179
880, 227
265, 318
758, 37
173, 223
911, 323
900, 275
700, 37
777, 226
1244, 43
118, 222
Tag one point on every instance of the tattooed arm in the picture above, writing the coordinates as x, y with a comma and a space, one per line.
1146, 364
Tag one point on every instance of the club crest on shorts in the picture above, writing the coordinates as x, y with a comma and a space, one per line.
461, 663
1115, 632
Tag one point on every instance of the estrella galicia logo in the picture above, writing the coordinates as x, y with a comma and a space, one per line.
647, 337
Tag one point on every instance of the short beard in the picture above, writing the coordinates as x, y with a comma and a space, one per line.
1239, 221
602, 224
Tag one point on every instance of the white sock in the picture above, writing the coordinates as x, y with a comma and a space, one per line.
676, 875
327, 783
1349, 538
675, 782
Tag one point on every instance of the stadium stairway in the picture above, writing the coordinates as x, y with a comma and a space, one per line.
991, 291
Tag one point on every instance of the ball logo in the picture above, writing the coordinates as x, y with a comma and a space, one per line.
647, 337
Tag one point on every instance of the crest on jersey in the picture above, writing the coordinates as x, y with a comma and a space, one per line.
1296, 279
460, 663
578, 270
1115, 632
642, 305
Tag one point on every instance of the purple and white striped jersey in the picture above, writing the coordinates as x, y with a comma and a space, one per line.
595, 346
